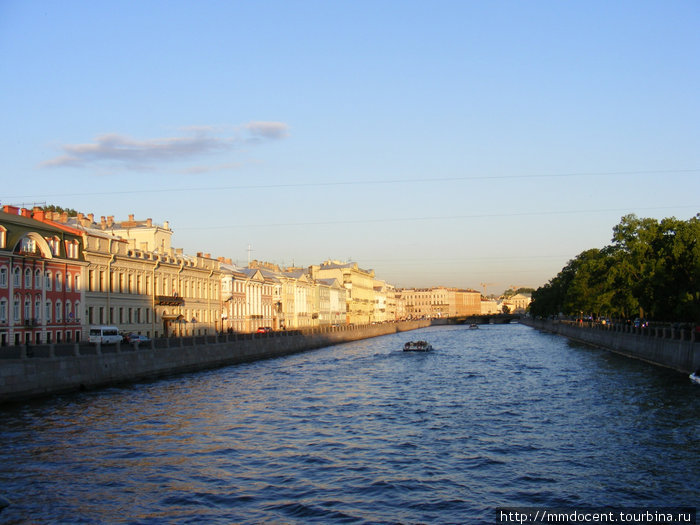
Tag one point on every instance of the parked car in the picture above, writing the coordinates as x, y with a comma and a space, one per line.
138, 338
264, 329
104, 335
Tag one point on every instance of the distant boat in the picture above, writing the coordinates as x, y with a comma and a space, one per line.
695, 376
417, 346
473, 326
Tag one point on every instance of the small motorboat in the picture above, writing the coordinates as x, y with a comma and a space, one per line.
417, 346
473, 326
695, 376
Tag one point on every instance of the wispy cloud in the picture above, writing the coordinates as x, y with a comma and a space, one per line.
115, 150
268, 130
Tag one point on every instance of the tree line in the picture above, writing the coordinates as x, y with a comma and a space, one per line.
651, 269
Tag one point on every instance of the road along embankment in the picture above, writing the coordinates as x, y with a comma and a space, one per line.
665, 347
49, 369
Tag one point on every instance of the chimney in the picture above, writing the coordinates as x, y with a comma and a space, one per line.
24, 212
166, 225
91, 217
110, 221
207, 255
80, 218
199, 254
103, 222
131, 217
39, 214
149, 222
64, 217
12, 210
178, 251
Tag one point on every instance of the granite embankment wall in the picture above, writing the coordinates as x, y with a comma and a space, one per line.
663, 346
49, 369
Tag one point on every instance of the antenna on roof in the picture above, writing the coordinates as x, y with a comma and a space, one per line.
249, 250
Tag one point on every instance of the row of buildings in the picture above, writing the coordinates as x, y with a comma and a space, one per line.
60, 274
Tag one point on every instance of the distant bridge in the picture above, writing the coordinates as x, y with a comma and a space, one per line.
478, 319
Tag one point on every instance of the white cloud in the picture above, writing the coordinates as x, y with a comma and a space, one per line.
125, 152
268, 130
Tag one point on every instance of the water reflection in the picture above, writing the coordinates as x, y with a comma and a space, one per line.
502, 416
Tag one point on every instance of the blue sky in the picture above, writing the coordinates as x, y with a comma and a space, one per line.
440, 143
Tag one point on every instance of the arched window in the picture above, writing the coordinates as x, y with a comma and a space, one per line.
69, 311
37, 279
76, 281
16, 310
27, 278
47, 311
69, 282
37, 308
16, 277
77, 311
59, 311
48, 279
27, 308
3, 310
59, 281
3, 277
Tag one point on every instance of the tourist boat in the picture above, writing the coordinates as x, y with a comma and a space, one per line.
695, 376
417, 346
473, 326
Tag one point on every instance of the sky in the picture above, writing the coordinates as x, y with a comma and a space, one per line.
446, 143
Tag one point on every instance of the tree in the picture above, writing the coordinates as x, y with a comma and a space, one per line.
52, 207
652, 268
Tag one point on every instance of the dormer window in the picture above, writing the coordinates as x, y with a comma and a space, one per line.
27, 246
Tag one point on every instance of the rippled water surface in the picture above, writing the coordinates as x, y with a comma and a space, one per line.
362, 433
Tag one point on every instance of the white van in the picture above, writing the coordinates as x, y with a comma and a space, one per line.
104, 335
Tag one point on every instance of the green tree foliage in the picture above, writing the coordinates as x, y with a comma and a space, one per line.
71, 212
651, 267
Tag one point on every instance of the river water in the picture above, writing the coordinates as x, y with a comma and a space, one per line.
363, 433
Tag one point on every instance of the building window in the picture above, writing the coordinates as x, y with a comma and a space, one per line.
37, 308
76, 281
27, 308
3, 310
59, 311
59, 281
48, 279
72, 249
3, 277
69, 283
27, 278
16, 310
16, 277
27, 245
54, 245
47, 310
69, 310
37, 279
3, 237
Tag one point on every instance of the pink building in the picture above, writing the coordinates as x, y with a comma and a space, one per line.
41, 281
